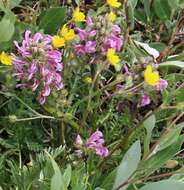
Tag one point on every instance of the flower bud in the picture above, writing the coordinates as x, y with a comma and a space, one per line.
12, 118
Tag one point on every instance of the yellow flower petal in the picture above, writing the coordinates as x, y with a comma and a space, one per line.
114, 3
112, 57
78, 16
67, 34
112, 16
5, 58
150, 77
58, 41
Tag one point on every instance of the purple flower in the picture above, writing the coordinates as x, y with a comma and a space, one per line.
92, 33
41, 99
145, 100
46, 90
116, 29
90, 47
94, 142
126, 70
102, 151
89, 21
82, 33
162, 85
112, 41
80, 49
36, 60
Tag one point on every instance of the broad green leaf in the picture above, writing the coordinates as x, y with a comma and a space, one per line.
57, 180
171, 137
149, 124
159, 46
158, 160
6, 30
52, 19
172, 64
162, 9
67, 175
164, 185
98, 188
128, 165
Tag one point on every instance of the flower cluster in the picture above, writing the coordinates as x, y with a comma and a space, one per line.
87, 44
94, 142
37, 66
153, 79
108, 43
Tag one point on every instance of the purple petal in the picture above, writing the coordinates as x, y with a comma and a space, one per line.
145, 100
46, 91
162, 85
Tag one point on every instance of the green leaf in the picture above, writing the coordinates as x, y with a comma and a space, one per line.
57, 180
179, 64
14, 3
147, 8
162, 9
107, 183
67, 175
174, 4
131, 6
181, 3
133, 3
6, 30
158, 160
171, 137
52, 19
163, 185
149, 124
128, 165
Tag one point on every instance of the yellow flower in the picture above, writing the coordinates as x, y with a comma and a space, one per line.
58, 41
114, 3
5, 58
112, 16
112, 57
67, 34
152, 78
78, 16
88, 80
